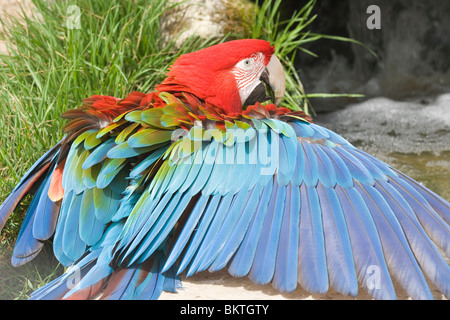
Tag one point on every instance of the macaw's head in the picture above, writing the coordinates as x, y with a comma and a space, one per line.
231, 75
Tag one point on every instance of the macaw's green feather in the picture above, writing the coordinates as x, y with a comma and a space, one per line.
109, 171
92, 141
153, 117
91, 228
125, 133
90, 175
110, 127
105, 202
149, 137
82, 137
135, 116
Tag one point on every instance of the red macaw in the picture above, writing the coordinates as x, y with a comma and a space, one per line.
199, 174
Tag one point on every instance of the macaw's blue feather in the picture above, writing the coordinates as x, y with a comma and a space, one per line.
47, 211
144, 214
401, 261
100, 257
127, 202
32, 176
343, 175
156, 280
199, 234
312, 268
387, 170
99, 154
287, 153
225, 230
303, 129
58, 288
370, 264
147, 162
187, 231
434, 225
299, 171
73, 246
320, 132
164, 226
109, 171
124, 150
211, 232
429, 258
325, 170
358, 171
339, 254
90, 176
27, 246
244, 257
440, 206
59, 232
263, 266
91, 228
233, 230
218, 173
311, 173
369, 163
268, 148
286, 268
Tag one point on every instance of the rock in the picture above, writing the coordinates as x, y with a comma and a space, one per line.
411, 136
412, 47
206, 18
384, 125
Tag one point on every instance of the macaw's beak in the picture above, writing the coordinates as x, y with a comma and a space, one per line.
272, 86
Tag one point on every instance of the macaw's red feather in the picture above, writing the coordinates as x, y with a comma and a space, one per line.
207, 73
56, 190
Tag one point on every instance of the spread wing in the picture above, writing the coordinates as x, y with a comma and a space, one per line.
283, 202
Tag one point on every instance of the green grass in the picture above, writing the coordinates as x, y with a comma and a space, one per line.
50, 68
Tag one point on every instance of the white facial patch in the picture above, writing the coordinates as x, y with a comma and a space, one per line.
247, 73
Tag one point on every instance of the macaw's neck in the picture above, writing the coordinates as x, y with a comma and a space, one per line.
218, 91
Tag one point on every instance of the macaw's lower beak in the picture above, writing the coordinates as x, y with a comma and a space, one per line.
272, 86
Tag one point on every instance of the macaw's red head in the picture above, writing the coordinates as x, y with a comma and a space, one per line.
231, 75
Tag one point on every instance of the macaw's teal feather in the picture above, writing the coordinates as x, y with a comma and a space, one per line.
99, 154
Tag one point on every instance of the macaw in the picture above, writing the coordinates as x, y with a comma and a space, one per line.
205, 173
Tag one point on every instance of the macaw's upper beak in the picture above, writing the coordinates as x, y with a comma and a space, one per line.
272, 86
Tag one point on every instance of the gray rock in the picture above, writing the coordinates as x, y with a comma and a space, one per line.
205, 19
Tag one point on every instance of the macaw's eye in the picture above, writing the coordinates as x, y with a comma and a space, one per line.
247, 62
